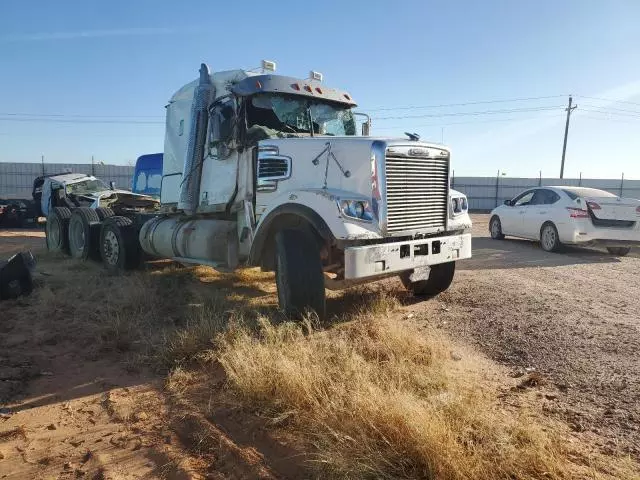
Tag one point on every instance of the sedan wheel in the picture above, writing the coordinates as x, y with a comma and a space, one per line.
495, 228
549, 239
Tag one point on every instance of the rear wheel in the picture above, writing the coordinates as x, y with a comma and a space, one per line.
619, 251
549, 238
495, 228
84, 233
440, 278
119, 247
57, 228
299, 275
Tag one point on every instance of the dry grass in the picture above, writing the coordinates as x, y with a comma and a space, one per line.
376, 400
367, 396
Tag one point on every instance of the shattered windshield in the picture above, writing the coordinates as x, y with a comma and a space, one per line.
86, 187
296, 114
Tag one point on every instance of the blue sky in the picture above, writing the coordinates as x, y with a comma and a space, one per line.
84, 62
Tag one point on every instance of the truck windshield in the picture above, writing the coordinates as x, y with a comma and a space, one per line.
87, 186
296, 114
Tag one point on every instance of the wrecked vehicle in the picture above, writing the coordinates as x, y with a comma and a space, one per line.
267, 170
76, 205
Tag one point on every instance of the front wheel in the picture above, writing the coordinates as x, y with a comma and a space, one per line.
549, 238
299, 275
495, 228
440, 278
619, 251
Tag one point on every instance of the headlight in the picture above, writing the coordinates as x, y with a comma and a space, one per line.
459, 205
358, 209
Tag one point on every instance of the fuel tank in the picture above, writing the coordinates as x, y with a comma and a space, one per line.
197, 240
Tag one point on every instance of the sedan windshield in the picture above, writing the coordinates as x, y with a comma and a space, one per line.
87, 186
299, 115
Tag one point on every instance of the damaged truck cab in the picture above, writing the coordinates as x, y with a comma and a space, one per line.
267, 170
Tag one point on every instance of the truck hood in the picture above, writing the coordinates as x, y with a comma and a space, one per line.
341, 163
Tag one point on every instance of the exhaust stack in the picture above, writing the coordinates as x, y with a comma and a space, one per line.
190, 186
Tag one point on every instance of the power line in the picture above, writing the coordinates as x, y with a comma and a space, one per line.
608, 100
62, 120
479, 102
611, 108
485, 112
479, 121
605, 119
14, 114
605, 112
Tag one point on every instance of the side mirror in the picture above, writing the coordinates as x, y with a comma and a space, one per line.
366, 128
507, 203
112, 185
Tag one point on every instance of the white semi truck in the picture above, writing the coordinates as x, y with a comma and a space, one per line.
264, 170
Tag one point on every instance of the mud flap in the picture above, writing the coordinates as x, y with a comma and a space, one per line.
15, 275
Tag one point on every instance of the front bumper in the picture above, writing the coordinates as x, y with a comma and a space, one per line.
375, 260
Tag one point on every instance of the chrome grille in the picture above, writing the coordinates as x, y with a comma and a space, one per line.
417, 191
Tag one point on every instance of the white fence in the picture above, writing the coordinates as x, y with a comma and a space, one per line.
485, 193
16, 179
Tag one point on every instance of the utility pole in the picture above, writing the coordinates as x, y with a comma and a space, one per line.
93, 168
569, 109
43, 172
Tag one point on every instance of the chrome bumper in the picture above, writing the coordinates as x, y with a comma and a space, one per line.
375, 260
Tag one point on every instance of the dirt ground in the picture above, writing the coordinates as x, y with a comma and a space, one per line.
573, 316
66, 412
14, 240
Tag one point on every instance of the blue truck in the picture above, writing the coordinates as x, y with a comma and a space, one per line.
147, 176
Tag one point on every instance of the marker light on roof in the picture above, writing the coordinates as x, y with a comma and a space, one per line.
295, 86
307, 88
316, 76
268, 65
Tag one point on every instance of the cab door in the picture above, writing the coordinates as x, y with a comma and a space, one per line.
538, 212
511, 215
218, 185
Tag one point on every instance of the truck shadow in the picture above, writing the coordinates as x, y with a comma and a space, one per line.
516, 253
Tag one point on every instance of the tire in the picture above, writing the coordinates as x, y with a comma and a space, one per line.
440, 278
495, 228
549, 238
104, 213
84, 233
619, 251
57, 230
299, 275
119, 246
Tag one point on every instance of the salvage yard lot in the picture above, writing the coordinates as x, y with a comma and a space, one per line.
140, 375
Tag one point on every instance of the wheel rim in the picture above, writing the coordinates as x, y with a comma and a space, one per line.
549, 238
111, 248
76, 234
495, 228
